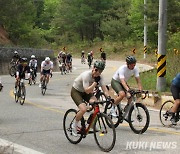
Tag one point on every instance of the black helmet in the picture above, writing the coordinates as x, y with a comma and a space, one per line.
23, 60
99, 65
130, 60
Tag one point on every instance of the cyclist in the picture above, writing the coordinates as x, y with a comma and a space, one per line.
92, 55
103, 56
33, 64
120, 78
82, 57
59, 57
1, 86
69, 61
175, 89
22, 68
16, 57
46, 69
83, 87
89, 59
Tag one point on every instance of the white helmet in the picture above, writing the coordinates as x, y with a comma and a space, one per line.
47, 59
83, 51
15, 52
33, 56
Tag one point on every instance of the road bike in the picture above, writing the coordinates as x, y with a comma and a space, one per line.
62, 68
165, 115
83, 60
69, 67
20, 92
44, 84
12, 68
33, 77
136, 113
103, 127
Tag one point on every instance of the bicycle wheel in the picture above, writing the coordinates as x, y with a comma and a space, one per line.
68, 120
17, 94
43, 87
12, 71
139, 118
104, 135
23, 95
115, 119
30, 82
164, 113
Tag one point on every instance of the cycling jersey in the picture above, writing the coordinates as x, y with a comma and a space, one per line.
89, 58
125, 73
82, 55
33, 63
176, 81
22, 70
16, 58
84, 80
69, 58
46, 66
64, 58
103, 55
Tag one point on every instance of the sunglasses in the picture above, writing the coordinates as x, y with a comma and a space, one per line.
100, 71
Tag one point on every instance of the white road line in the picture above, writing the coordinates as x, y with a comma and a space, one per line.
13, 147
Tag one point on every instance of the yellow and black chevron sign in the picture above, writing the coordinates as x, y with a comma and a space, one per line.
161, 66
145, 49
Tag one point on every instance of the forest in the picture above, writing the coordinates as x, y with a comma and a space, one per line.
55, 23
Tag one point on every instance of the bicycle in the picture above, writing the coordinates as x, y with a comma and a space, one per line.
20, 94
62, 68
104, 135
12, 68
136, 113
33, 77
83, 60
44, 85
164, 114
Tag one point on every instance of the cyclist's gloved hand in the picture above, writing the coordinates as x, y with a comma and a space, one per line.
97, 79
110, 99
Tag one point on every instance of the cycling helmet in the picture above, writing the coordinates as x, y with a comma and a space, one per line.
33, 56
23, 60
15, 52
130, 60
83, 51
47, 59
89, 54
99, 65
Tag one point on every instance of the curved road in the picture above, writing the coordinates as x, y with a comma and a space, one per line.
36, 127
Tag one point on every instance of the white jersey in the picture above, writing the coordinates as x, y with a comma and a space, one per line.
33, 63
84, 80
46, 66
125, 73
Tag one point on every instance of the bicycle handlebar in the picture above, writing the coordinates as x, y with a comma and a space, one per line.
100, 102
135, 92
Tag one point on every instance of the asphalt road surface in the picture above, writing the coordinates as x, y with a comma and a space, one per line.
37, 126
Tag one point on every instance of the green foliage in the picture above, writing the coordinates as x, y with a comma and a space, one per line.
60, 22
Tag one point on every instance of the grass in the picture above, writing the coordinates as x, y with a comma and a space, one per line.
118, 51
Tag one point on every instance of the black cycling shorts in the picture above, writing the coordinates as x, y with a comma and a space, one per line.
44, 72
175, 92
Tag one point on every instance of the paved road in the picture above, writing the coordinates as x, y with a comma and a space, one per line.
36, 127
